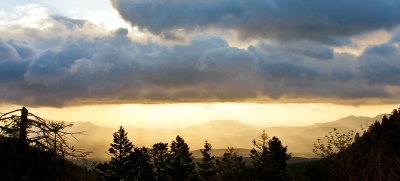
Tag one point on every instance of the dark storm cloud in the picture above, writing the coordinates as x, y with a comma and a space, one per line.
304, 48
380, 64
112, 68
331, 22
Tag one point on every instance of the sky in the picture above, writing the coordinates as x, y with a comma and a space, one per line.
174, 63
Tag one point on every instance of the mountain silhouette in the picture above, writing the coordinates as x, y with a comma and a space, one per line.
220, 133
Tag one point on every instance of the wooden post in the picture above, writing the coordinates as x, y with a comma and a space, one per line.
22, 128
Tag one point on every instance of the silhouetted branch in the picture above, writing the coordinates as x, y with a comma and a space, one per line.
10, 112
48, 135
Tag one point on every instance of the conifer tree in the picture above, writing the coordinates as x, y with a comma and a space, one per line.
120, 150
206, 166
278, 158
232, 166
375, 155
160, 157
269, 159
141, 166
260, 154
180, 160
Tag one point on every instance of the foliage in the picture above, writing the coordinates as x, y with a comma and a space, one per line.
119, 165
231, 166
160, 156
207, 167
335, 142
140, 164
373, 156
316, 170
176, 163
32, 148
180, 160
260, 153
269, 159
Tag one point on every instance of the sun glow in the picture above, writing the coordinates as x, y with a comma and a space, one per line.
188, 114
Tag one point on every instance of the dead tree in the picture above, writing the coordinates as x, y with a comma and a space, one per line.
34, 131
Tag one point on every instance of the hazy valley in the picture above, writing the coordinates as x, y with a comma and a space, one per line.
220, 133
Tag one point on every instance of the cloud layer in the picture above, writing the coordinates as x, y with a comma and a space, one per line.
331, 22
73, 62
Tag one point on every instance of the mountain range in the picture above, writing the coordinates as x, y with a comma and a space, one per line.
220, 133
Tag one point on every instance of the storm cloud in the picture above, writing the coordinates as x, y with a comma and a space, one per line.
331, 22
72, 67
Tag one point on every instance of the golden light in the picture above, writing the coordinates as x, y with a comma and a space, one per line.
188, 114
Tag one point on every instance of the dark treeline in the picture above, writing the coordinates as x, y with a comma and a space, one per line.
32, 148
374, 155
175, 162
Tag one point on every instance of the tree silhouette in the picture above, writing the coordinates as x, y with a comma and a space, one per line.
206, 167
180, 160
278, 159
260, 156
33, 148
375, 155
160, 157
30, 130
120, 164
335, 142
232, 167
269, 158
141, 166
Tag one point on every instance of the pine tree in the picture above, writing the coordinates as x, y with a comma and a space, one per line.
269, 158
160, 157
206, 166
278, 158
180, 160
142, 168
232, 166
259, 156
120, 150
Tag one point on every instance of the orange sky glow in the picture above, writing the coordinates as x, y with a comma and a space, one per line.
187, 114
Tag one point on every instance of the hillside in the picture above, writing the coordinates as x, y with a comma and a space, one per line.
220, 133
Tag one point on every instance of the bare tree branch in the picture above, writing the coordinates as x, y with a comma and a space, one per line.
44, 134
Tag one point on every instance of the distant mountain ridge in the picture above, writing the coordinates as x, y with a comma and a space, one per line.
220, 133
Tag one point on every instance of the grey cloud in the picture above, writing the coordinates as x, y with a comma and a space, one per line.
380, 64
23, 49
331, 22
8, 52
395, 37
11, 71
115, 69
47, 70
304, 48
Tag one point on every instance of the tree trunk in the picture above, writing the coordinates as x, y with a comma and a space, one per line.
22, 129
